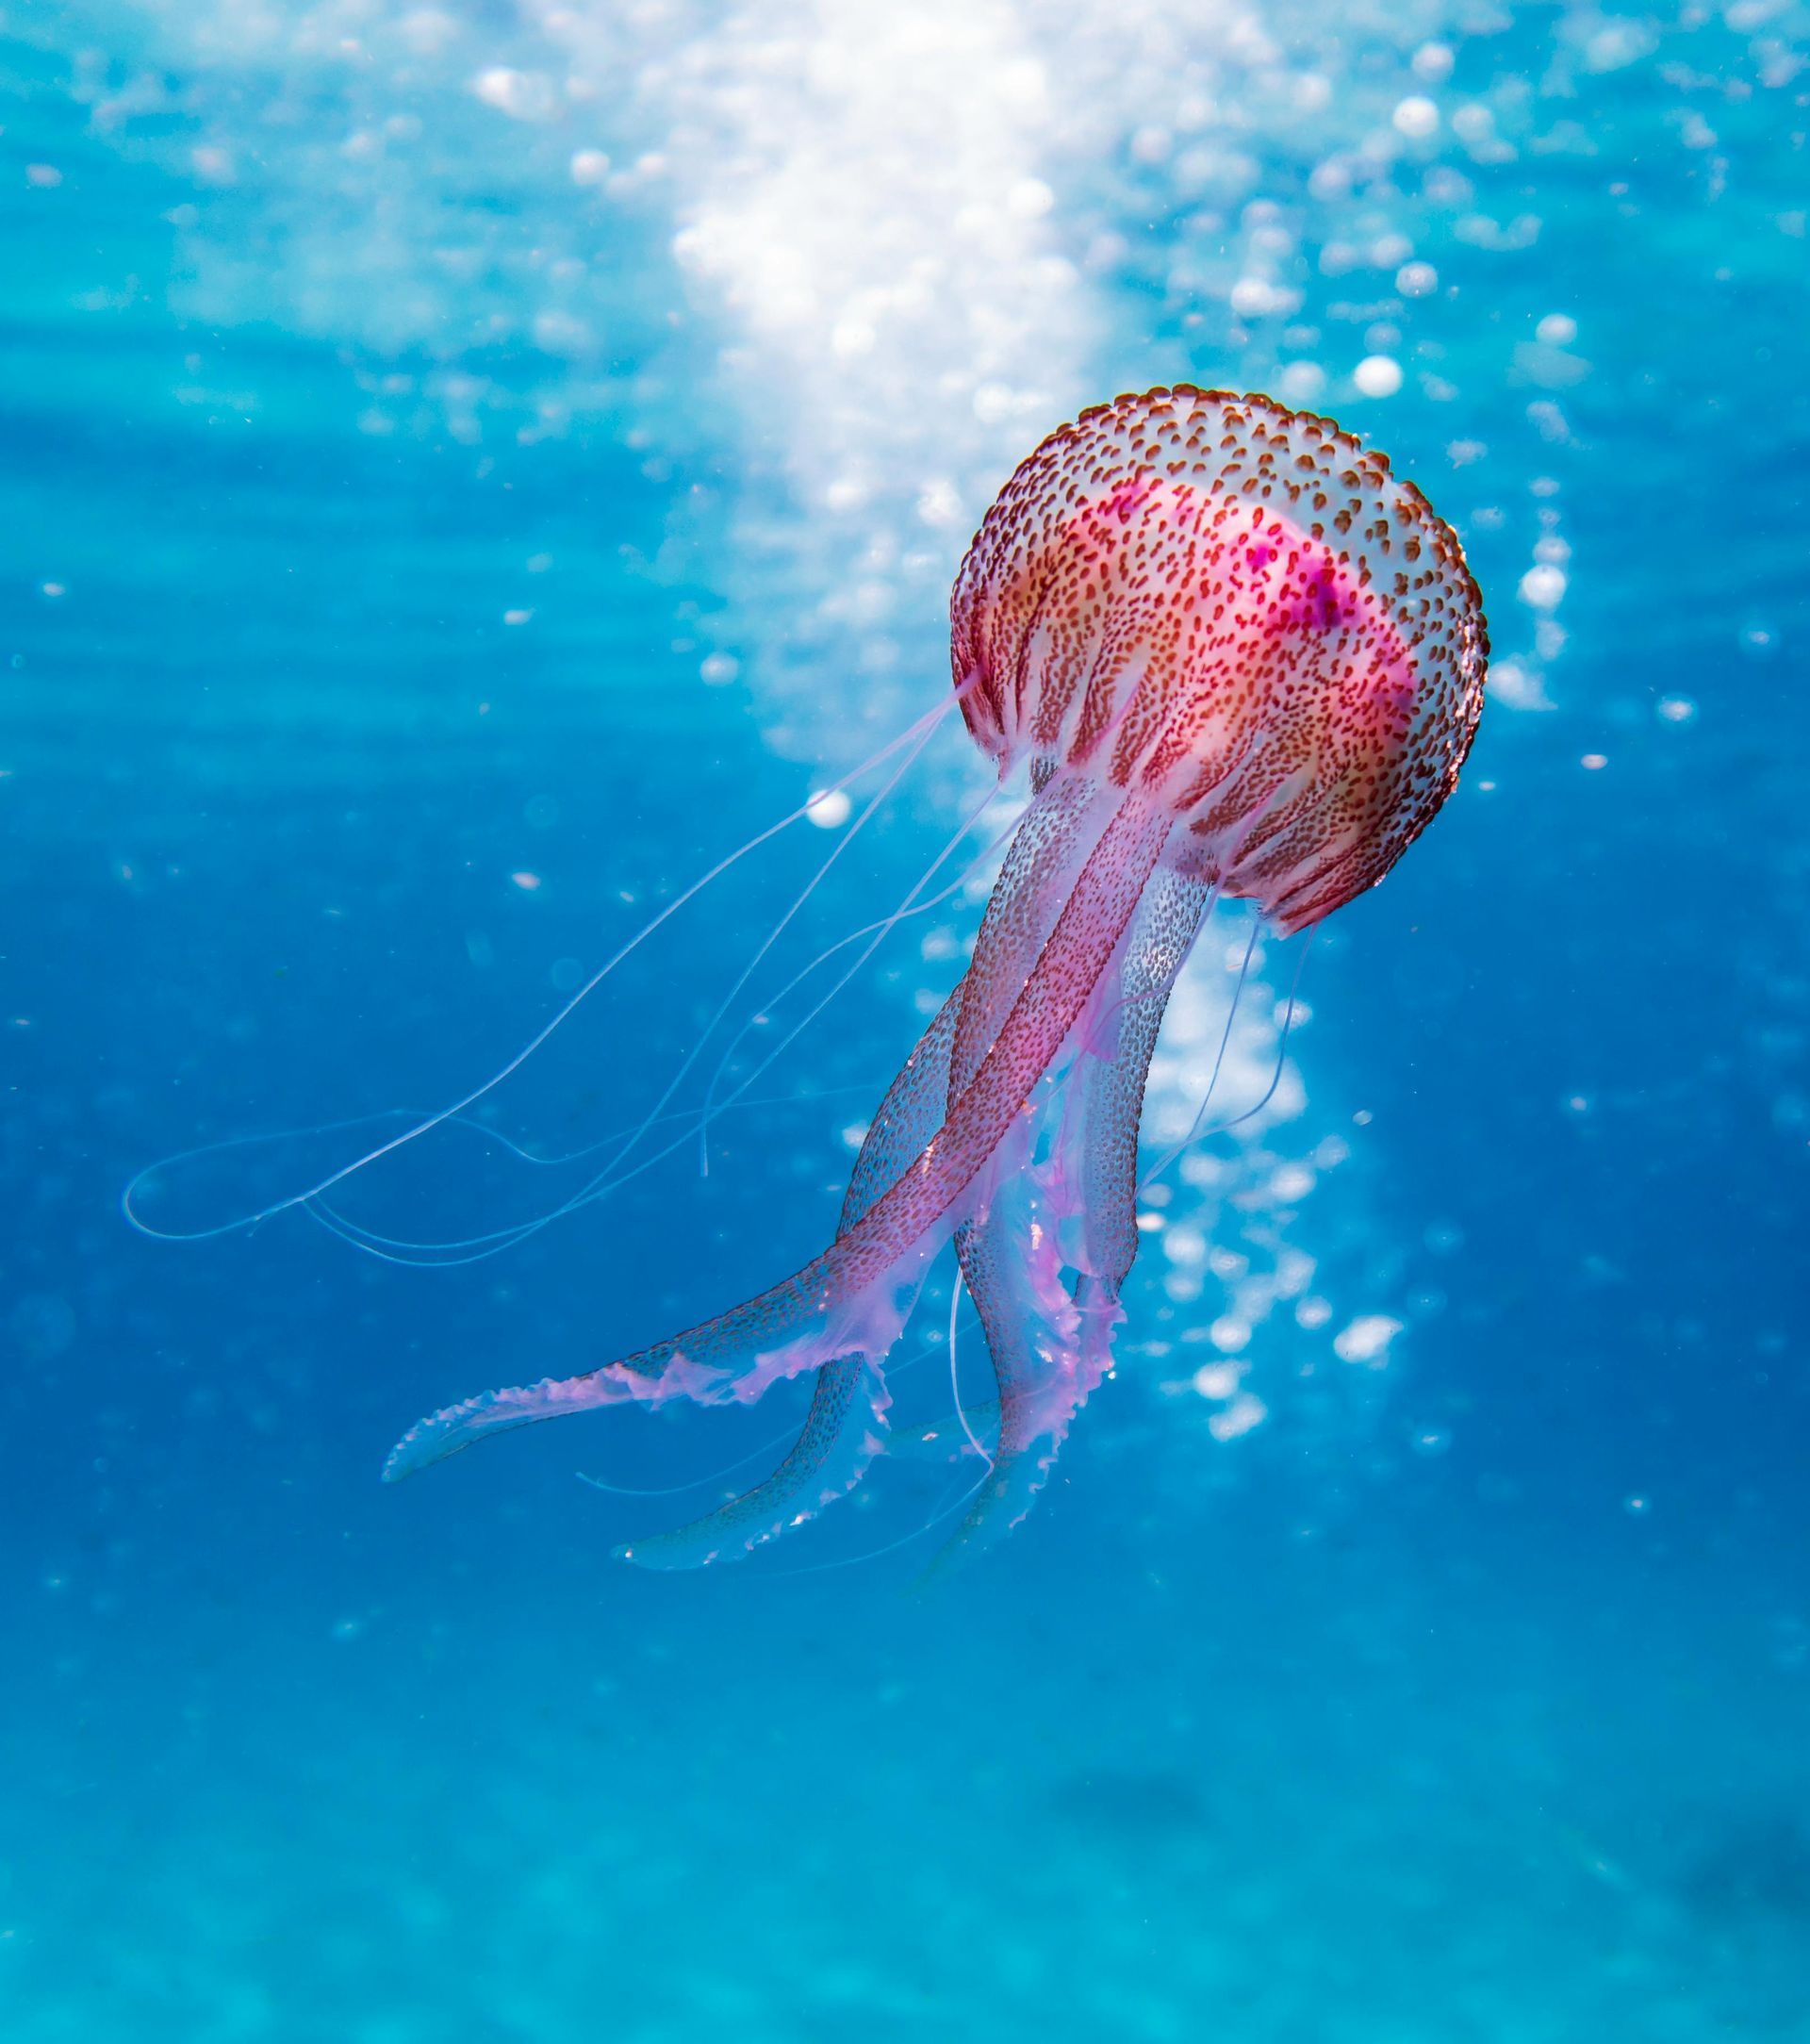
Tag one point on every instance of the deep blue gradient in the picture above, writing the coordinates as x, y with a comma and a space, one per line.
1461, 1702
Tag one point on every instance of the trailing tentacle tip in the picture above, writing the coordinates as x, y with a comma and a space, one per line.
456, 1426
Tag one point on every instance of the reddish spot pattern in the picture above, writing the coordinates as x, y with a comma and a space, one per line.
1238, 609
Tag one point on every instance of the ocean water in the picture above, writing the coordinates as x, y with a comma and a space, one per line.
468, 467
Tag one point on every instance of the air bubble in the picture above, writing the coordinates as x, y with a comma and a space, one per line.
1759, 641
1366, 1340
1378, 376
1543, 587
829, 811
1433, 62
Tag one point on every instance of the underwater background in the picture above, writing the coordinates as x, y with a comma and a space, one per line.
465, 470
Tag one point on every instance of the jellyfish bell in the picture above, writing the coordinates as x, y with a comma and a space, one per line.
1240, 658
1240, 610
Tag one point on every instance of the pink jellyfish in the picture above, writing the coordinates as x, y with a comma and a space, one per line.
1241, 658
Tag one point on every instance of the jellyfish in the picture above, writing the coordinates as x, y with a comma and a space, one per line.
1240, 659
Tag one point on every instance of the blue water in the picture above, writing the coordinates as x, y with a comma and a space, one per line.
1439, 1670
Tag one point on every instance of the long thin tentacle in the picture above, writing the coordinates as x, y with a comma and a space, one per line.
695, 1123
871, 937
914, 736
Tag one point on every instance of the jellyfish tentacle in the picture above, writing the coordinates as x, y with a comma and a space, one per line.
1060, 828
845, 1426
844, 1430
694, 1124
948, 1440
872, 935
1111, 1106
848, 1298
1057, 834
603, 1179
1074, 1208
1013, 1268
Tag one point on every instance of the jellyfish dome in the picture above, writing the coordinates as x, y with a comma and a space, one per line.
1240, 610
1240, 658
